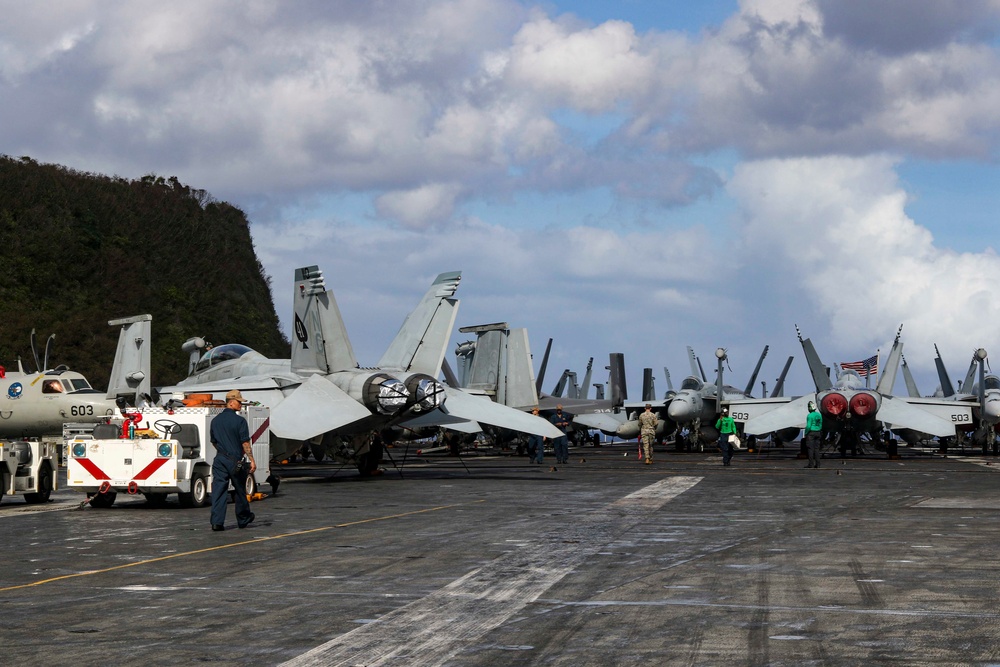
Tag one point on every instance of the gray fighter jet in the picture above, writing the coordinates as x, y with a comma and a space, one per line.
851, 409
498, 364
982, 393
323, 398
695, 407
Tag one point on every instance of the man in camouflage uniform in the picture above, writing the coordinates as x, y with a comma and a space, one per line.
647, 432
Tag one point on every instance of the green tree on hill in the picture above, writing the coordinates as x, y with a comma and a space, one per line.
80, 249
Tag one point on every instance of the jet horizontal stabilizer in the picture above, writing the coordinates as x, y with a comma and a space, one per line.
602, 421
482, 409
900, 414
315, 407
791, 414
439, 418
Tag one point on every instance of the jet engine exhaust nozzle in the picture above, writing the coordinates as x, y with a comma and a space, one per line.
385, 394
426, 393
863, 405
833, 405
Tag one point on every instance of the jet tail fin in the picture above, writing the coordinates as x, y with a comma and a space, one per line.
541, 369
648, 389
320, 343
779, 385
500, 365
449, 375
519, 385
421, 342
947, 389
619, 393
694, 363
970, 376
888, 379
820, 375
560, 387
586, 379
130, 374
753, 378
911, 384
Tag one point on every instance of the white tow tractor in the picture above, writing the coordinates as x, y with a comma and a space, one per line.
29, 468
173, 456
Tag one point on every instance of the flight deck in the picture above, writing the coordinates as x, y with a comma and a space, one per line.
492, 560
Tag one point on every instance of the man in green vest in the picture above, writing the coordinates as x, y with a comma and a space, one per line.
726, 427
813, 435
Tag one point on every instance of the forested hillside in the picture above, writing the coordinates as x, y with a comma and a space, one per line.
80, 249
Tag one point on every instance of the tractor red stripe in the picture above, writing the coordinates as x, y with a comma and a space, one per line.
153, 466
92, 468
260, 431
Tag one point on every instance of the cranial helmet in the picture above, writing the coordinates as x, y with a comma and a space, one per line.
812, 406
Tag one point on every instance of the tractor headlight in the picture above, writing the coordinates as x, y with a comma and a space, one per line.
79, 450
164, 450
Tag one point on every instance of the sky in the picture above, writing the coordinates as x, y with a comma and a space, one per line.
630, 176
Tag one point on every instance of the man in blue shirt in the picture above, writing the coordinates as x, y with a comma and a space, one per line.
560, 445
230, 435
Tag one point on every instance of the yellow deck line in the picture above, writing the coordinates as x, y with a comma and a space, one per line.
256, 540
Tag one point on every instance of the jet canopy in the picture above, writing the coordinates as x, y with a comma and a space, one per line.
67, 385
692, 383
217, 355
848, 379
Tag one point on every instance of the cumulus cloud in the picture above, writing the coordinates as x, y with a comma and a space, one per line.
594, 290
590, 69
389, 100
419, 206
438, 122
780, 86
838, 228
902, 26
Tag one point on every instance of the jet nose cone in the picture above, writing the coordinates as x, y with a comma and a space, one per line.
681, 409
991, 410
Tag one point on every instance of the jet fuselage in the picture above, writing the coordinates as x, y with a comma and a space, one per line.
38, 404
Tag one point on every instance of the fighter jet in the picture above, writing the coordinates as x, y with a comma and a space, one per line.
695, 407
498, 364
323, 397
983, 394
37, 404
852, 409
